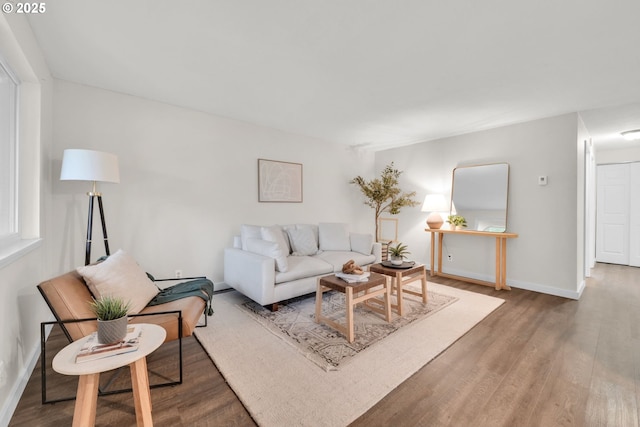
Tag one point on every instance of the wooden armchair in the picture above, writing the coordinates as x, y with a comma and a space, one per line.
68, 296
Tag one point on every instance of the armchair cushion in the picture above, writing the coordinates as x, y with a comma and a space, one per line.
120, 276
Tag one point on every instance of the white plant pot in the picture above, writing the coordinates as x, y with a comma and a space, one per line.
396, 261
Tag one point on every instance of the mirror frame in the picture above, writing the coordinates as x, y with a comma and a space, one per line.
506, 201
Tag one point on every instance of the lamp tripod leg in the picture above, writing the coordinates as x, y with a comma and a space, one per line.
104, 226
87, 255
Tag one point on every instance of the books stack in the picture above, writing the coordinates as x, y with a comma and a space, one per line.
354, 278
92, 349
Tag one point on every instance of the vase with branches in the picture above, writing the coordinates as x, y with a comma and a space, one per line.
384, 194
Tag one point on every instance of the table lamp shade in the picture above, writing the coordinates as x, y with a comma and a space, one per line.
89, 165
434, 203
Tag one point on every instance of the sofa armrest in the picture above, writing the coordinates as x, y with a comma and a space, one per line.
377, 251
251, 274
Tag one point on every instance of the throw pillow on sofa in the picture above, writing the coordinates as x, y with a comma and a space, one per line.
334, 237
268, 249
303, 241
276, 235
120, 276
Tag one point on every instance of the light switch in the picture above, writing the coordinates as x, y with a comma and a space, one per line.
542, 180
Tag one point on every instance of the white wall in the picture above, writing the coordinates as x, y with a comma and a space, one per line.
544, 256
622, 155
188, 181
21, 306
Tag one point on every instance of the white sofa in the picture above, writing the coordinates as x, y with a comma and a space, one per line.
276, 263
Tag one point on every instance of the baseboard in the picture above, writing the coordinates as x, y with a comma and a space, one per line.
520, 284
10, 405
221, 286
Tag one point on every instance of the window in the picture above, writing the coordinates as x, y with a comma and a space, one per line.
8, 154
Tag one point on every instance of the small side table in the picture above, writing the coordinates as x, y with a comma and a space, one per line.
87, 396
403, 276
351, 291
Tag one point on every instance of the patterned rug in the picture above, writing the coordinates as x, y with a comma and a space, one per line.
328, 348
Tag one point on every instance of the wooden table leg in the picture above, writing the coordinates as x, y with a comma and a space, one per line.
398, 286
423, 279
141, 392
318, 301
349, 298
84, 413
498, 269
433, 253
387, 299
440, 240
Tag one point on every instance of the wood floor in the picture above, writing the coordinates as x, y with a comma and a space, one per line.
538, 360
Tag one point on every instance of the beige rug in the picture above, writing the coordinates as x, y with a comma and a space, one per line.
280, 386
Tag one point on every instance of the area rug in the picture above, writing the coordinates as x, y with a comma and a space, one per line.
295, 323
280, 386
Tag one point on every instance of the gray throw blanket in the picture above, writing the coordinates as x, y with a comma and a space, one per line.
202, 288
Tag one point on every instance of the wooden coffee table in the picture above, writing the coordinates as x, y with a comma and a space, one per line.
402, 277
352, 295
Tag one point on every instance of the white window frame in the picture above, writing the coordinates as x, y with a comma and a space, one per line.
11, 234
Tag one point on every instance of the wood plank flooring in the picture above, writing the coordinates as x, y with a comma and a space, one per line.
538, 360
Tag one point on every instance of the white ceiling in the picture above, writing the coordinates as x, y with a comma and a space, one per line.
369, 73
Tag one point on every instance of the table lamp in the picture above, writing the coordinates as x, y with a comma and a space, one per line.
94, 166
434, 203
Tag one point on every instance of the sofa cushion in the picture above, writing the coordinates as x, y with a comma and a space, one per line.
268, 249
248, 231
120, 276
338, 258
334, 237
276, 234
303, 241
303, 266
362, 243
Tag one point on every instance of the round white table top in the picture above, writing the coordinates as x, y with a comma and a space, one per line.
65, 361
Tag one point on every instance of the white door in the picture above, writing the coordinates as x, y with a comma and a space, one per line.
612, 229
634, 215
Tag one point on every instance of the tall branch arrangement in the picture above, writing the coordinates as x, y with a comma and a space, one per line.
383, 194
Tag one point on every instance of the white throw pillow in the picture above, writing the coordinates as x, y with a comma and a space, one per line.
334, 237
269, 249
120, 276
362, 243
276, 235
303, 241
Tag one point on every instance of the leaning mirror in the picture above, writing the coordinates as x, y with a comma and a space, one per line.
479, 193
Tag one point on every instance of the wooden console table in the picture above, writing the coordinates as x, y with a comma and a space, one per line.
501, 255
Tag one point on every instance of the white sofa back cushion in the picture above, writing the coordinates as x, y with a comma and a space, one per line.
362, 243
334, 236
249, 232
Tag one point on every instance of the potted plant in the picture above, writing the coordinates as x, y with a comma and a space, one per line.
383, 194
398, 253
457, 221
112, 318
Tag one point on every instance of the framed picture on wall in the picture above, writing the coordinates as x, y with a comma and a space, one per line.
279, 181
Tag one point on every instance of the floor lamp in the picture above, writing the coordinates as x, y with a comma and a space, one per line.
94, 166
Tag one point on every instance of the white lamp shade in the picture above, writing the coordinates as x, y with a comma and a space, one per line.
435, 203
89, 165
